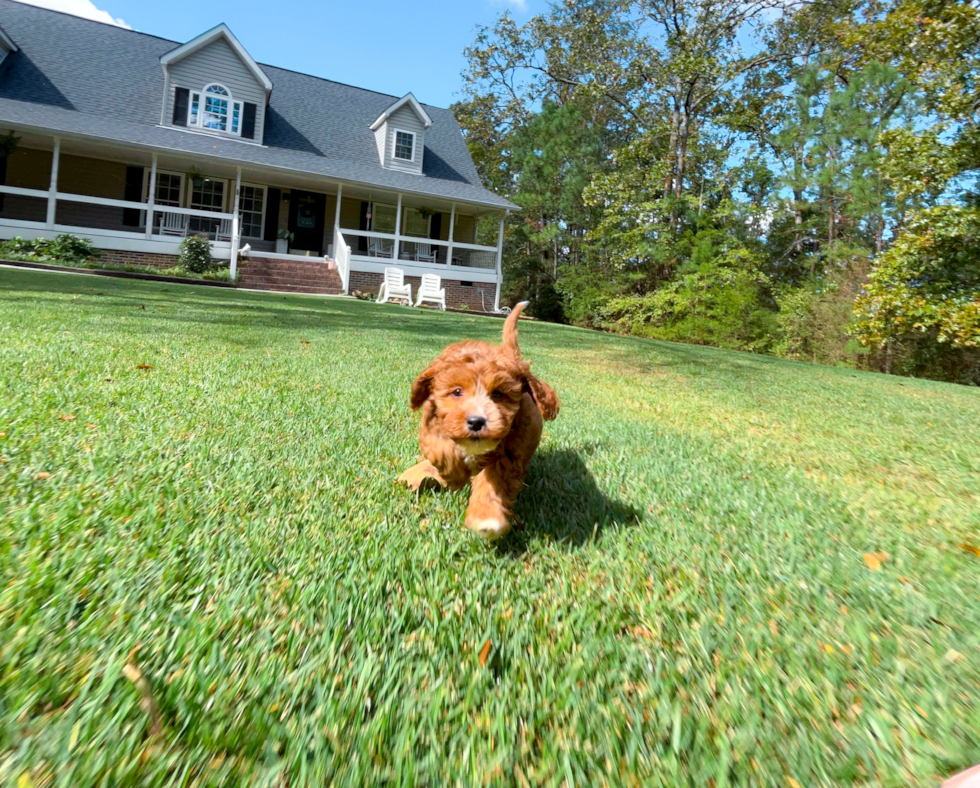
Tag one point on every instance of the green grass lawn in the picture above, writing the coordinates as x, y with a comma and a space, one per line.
687, 601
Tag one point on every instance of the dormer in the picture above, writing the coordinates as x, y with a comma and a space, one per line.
6, 45
212, 85
399, 133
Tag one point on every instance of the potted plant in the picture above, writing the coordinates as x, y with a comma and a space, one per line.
283, 239
196, 176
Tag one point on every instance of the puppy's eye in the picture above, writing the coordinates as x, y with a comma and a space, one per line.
496, 396
457, 392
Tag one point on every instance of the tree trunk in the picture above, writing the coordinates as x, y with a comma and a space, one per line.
684, 129
675, 119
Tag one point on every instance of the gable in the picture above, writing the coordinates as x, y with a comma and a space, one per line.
216, 62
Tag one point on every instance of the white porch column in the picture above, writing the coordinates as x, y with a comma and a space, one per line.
452, 229
151, 197
336, 219
398, 228
235, 239
500, 257
53, 187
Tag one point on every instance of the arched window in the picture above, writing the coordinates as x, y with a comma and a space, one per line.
214, 109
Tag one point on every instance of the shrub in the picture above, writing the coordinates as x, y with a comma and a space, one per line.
921, 310
72, 249
718, 302
65, 248
195, 254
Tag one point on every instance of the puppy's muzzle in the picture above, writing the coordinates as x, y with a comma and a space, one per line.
475, 423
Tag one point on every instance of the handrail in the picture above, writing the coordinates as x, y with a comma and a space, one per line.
419, 239
92, 200
18, 191
341, 256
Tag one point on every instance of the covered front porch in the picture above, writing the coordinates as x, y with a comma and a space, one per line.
142, 203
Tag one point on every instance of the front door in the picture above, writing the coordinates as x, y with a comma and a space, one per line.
306, 216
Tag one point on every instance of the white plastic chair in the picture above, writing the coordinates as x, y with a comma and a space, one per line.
173, 224
393, 287
432, 290
379, 248
424, 253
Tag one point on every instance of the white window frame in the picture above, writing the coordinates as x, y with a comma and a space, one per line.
146, 190
189, 199
394, 210
233, 106
428, 223
265, 205
394, 144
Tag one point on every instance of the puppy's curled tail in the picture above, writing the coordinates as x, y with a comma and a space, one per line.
510, 329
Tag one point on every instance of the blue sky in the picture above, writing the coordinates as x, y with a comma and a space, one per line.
385, 45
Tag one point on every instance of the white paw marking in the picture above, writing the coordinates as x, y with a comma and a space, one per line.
491, 528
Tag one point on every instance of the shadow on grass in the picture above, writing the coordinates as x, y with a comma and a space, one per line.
561, 500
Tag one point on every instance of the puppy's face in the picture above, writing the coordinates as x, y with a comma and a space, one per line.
477, 393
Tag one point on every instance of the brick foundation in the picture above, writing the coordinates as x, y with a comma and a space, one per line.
457, 294
117, 257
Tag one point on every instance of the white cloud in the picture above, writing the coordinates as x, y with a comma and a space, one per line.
520, 5
83, 8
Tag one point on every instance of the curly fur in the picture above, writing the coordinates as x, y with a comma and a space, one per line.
476, 380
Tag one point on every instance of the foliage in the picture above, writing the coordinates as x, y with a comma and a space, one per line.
284, 235
926, 288
806, 134
195, 254
688, 601
9, 142
714, 300
66, 249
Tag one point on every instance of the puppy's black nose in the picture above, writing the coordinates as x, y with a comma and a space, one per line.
476, 423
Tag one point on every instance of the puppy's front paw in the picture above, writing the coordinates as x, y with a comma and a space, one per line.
424, 473
489, 527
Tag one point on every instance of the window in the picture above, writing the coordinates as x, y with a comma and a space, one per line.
404, 145
416, 224
168, 189
383, 218
217, 112
168, 192
251, 210
207, 194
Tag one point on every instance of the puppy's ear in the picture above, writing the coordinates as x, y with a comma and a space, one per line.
544, 396
422, 388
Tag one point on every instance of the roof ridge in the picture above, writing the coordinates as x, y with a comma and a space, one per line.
263, 65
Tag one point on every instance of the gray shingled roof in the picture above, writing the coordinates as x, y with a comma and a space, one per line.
79, 77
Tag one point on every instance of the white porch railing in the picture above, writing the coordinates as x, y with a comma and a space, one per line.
174, 223
380, 247
341, 257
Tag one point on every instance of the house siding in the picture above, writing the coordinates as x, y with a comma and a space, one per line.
404, 119
379, 138
217, 62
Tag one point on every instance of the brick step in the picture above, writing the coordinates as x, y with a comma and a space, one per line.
291, 274
303, 267
292, 289
306, 285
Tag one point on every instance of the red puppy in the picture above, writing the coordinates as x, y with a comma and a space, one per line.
481, 422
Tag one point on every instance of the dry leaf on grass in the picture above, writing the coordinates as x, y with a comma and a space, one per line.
135, 675
67, 417
144, 366
875, 560
969, 548
643, 632
485, 652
